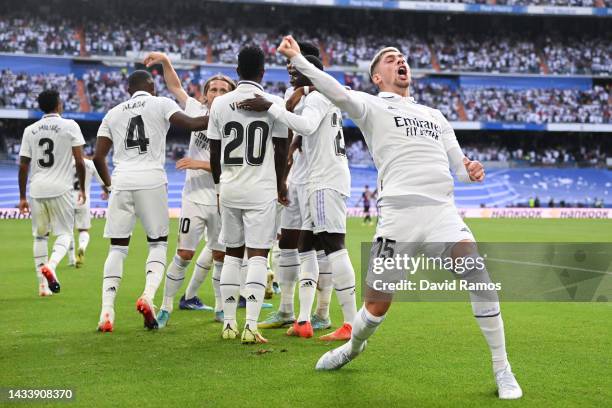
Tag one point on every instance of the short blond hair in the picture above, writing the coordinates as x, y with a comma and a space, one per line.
378, 56
218, 77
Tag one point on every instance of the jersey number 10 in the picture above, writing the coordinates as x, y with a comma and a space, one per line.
256, 136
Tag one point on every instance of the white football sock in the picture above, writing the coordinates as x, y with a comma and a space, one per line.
343, 276
275, 254
216, 283
154, 268
364, 325
255, 288
71, 252
325, 286
83, 240
41, 254
230, 288
309, 274
287, 274
244, 269
60, 247
200, 272
113, 271
174, 279
489, 319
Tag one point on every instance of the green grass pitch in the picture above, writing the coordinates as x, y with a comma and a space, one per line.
425, 354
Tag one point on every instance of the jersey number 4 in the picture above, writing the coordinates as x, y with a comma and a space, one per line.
135, 137
256, 142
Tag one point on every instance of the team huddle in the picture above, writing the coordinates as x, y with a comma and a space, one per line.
261, 173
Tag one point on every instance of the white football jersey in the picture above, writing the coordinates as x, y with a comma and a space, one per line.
248, 177
138, 130
298, 174
199, 185
408, 143
90, 172
322, 142
48, 143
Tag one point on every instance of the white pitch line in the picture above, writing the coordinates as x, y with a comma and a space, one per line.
548, 265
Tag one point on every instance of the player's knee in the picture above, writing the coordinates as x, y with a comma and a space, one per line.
120, 241
288, 239
378, 308
158, 239
185, 254
331, 242
218, 256
251, 252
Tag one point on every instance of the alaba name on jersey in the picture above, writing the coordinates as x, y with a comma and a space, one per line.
48, 143
408, 143
298, 174
90, 173
199, 185
248, 177
324, 146
138, 130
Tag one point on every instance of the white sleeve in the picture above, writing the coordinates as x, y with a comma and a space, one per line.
213, 123
453, 151
191, 105
76, 135
315, 108
104, 129
168, 107
346, 100
26, 149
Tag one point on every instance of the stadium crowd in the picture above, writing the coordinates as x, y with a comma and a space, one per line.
449, 51
538, 105
19, 90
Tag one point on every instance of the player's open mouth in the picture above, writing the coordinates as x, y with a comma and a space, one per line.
402, 71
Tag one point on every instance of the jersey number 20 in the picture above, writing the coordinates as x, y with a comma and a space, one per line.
135, 137
256, 137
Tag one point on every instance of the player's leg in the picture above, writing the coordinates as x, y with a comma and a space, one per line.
40, 232
329, 216
205, 261
191, 230
259, 231
320, 319
232, 233
152, 208
71, 254
218, 259
120, 220
61, 221
287, 276
82, 222
450, 228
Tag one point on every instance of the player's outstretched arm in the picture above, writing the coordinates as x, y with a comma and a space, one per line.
24, 169
189, 123
79, 163
187, 163
325, 83
103, 146
173, 82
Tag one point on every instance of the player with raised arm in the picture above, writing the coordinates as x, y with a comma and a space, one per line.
52, 143
320, 124
136, 129
413, 148
199, 211
248, 155
82, 213
292, 219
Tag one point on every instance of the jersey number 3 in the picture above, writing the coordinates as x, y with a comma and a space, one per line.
135, 137
256, 142
48, 158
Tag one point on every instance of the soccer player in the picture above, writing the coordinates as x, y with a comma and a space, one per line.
82, 214
199, 207
51, 143
292, 219
136, 129
320, 124
248, 155
413, 148
366, 198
